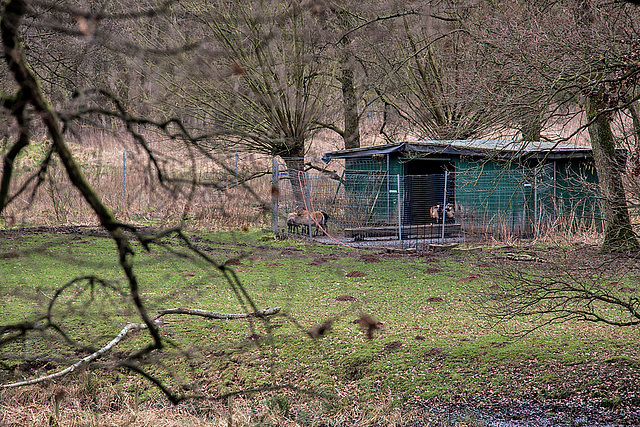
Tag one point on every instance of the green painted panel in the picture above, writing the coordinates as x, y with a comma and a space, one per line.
577, 194
494, 197
490, 197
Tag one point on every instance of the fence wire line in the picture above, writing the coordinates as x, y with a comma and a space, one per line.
131, 189
364, 202
474, 205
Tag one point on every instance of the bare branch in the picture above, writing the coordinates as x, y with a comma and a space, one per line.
216, 315
128, 327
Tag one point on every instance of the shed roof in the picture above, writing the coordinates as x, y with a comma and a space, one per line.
505, 149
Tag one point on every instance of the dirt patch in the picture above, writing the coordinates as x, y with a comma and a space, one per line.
321, 260
232, 261
345, 298
469, 278
433, 352
432, 270
435, 299
253, 337
274, 264
355, 273
9, 255
393, 345
370, 258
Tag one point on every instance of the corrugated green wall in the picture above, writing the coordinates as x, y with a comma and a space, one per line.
498, 197
491, 196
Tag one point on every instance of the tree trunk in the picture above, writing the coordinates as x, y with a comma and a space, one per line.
531, 127
634, 157
351, 134
295, 171
618, 235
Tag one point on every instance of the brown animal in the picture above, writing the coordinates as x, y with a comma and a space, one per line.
449, 210
437, 211
301, 220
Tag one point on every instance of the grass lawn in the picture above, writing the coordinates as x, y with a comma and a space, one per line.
429, 341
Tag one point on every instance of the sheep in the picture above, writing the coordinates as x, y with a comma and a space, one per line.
437, 211
292, 226
302, 219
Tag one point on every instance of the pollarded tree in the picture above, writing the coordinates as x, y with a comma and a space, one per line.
433, 74
259, 79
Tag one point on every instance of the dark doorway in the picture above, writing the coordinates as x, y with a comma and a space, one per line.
424, 201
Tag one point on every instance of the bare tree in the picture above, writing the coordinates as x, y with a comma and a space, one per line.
432, 76
354, 29
557, 61
30, 109
572, 285
258, 81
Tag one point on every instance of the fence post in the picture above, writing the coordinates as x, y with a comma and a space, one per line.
536, 230
237, 192
124, 174
399, 210
306, 194
388, 176
275, 193
555, 195
444, 205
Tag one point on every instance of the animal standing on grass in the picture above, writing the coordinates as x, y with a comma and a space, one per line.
301, 220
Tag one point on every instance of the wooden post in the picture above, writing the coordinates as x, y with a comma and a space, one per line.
274, 195
444, 205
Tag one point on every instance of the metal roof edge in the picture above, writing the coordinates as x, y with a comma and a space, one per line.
501, 148
363, 151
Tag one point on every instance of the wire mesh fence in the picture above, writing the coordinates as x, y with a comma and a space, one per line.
233, 189
367, 203
365, 200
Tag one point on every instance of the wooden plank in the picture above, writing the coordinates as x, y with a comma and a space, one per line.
415, 231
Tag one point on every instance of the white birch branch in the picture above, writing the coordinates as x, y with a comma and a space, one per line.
216, 315
137, 326
128, 327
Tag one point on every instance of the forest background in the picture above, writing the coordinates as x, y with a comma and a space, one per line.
296, 79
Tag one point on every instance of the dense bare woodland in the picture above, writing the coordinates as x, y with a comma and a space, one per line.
176, 82
278, 78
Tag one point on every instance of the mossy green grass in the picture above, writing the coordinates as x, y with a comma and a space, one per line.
430, 342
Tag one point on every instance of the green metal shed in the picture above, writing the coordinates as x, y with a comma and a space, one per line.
488, 185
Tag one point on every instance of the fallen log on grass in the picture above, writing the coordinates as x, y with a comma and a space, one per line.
216, 315
138, 326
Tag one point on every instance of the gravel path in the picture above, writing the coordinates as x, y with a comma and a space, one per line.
516, 414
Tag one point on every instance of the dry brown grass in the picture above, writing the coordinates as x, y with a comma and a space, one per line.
215, 202
82, 405
103, 157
